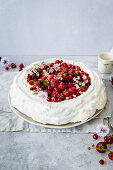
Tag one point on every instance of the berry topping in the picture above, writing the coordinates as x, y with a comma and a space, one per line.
58, 80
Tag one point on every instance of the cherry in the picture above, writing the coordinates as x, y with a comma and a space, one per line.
110, 155
6, 68
110, 140
95, 136
101, 162
101, 147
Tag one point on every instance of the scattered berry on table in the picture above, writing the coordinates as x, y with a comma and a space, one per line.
95, 136
101, 162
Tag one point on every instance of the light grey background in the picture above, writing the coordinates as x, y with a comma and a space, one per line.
55, 27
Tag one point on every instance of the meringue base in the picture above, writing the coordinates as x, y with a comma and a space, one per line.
30, 120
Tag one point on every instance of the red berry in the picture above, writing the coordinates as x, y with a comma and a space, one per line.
49, 88
7, 68
39, 84
43, 78
61, 98
70, 78
72, 72
55, 99
83, 88
71, 97
64, 78
50, 77
21, 66
62, 68
110, 140
70, 85
95, 136
51, 64
54, 83
31, 82
66, 93
101, 162
13, 65
77, 68
100, 147
106, 141
57, 62
72, 90
62, 86
110, 155
106, 138
49, 99
70, 66
20, 69
64, 64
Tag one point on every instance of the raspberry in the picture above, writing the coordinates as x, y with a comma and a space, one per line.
70, 78
110, 155
43, 78
7, 68
62, 86
62, 68
51, 65
70, 66
21, 66
56, 90
77, 68
72, 90
50, 77
57, 62
54, 83
13, 65
72, 72
64, 78
64, 64
70, 85
49, 88
66, 93
101, 147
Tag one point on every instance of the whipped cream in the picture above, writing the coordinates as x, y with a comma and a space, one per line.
73, 110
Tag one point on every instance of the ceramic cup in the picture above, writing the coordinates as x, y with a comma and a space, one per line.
105, 62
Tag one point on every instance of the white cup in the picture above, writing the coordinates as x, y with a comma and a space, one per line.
105, 62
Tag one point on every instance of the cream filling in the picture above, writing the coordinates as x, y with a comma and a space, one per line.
73, 110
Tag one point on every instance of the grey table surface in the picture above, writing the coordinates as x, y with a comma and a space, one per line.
51, 151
